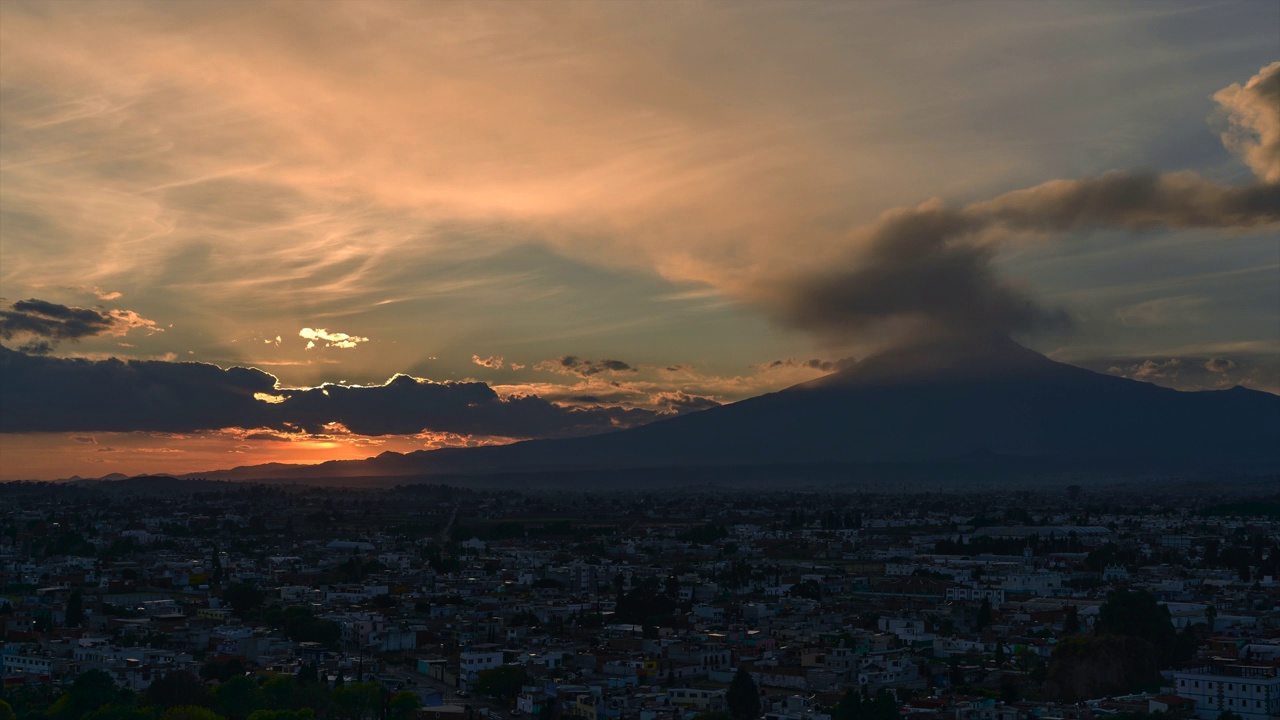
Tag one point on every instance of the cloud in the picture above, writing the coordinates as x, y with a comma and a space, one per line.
678, 402
1253, 115
1219, 365
493, 362
46, 394
1155, 370
1259, 371
1162, 311
333, 340
43, 324
931, 266
810, 364
715, 157
573, 365
929, 269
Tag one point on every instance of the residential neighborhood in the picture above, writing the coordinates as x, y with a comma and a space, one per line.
462, 603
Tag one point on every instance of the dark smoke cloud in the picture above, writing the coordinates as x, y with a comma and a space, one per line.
931, 266
811, 363
573, 365
47, 394
43, 324
680, 402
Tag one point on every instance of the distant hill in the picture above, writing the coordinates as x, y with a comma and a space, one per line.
1000, 403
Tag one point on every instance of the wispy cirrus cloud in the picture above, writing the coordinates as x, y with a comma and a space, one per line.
245, 162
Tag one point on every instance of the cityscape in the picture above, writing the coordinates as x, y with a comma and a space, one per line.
639, 360
284, 601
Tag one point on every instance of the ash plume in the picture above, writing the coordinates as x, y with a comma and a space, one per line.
930, 267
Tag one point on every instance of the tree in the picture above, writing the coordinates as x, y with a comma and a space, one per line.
121, 712
279, 693
91, 690
6, 711
215, 577
1136, 614
1071, 623
305, 714
238, 697
308, 673
984, 614
849, 707
243, 598
358, 701
403, 706
190, 712
502, 683
743, 697
176, 689
883, 707
75, 609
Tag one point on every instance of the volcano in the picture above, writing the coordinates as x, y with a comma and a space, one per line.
997, 400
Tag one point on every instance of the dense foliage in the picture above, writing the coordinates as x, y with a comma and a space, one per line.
181, 695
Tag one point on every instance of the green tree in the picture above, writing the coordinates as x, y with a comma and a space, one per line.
984, 614
6, 711
502, 683
90, 691
177, 688
279, 693
75, 609
122, 712
358, 701
243, 598
883, 707
403, 706
1071, 623
305, 714
743, 697
238, 698
190, 712
849, 707
1136, 614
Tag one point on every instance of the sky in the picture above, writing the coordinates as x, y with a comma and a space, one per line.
234, 233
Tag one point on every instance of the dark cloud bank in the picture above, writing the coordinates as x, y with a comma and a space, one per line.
48, 394
582, 367
41, 325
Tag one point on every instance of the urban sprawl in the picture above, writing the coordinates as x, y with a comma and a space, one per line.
197, 601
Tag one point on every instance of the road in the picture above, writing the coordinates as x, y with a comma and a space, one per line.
415, 681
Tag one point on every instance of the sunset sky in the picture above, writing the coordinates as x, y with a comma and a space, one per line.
480, 222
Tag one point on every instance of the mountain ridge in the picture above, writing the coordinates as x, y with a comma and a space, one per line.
917, 405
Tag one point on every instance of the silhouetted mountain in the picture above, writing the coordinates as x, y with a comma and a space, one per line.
1000, 402
148, 485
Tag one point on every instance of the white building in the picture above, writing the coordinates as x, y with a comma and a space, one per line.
1251, 691
977, 593
470, 663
